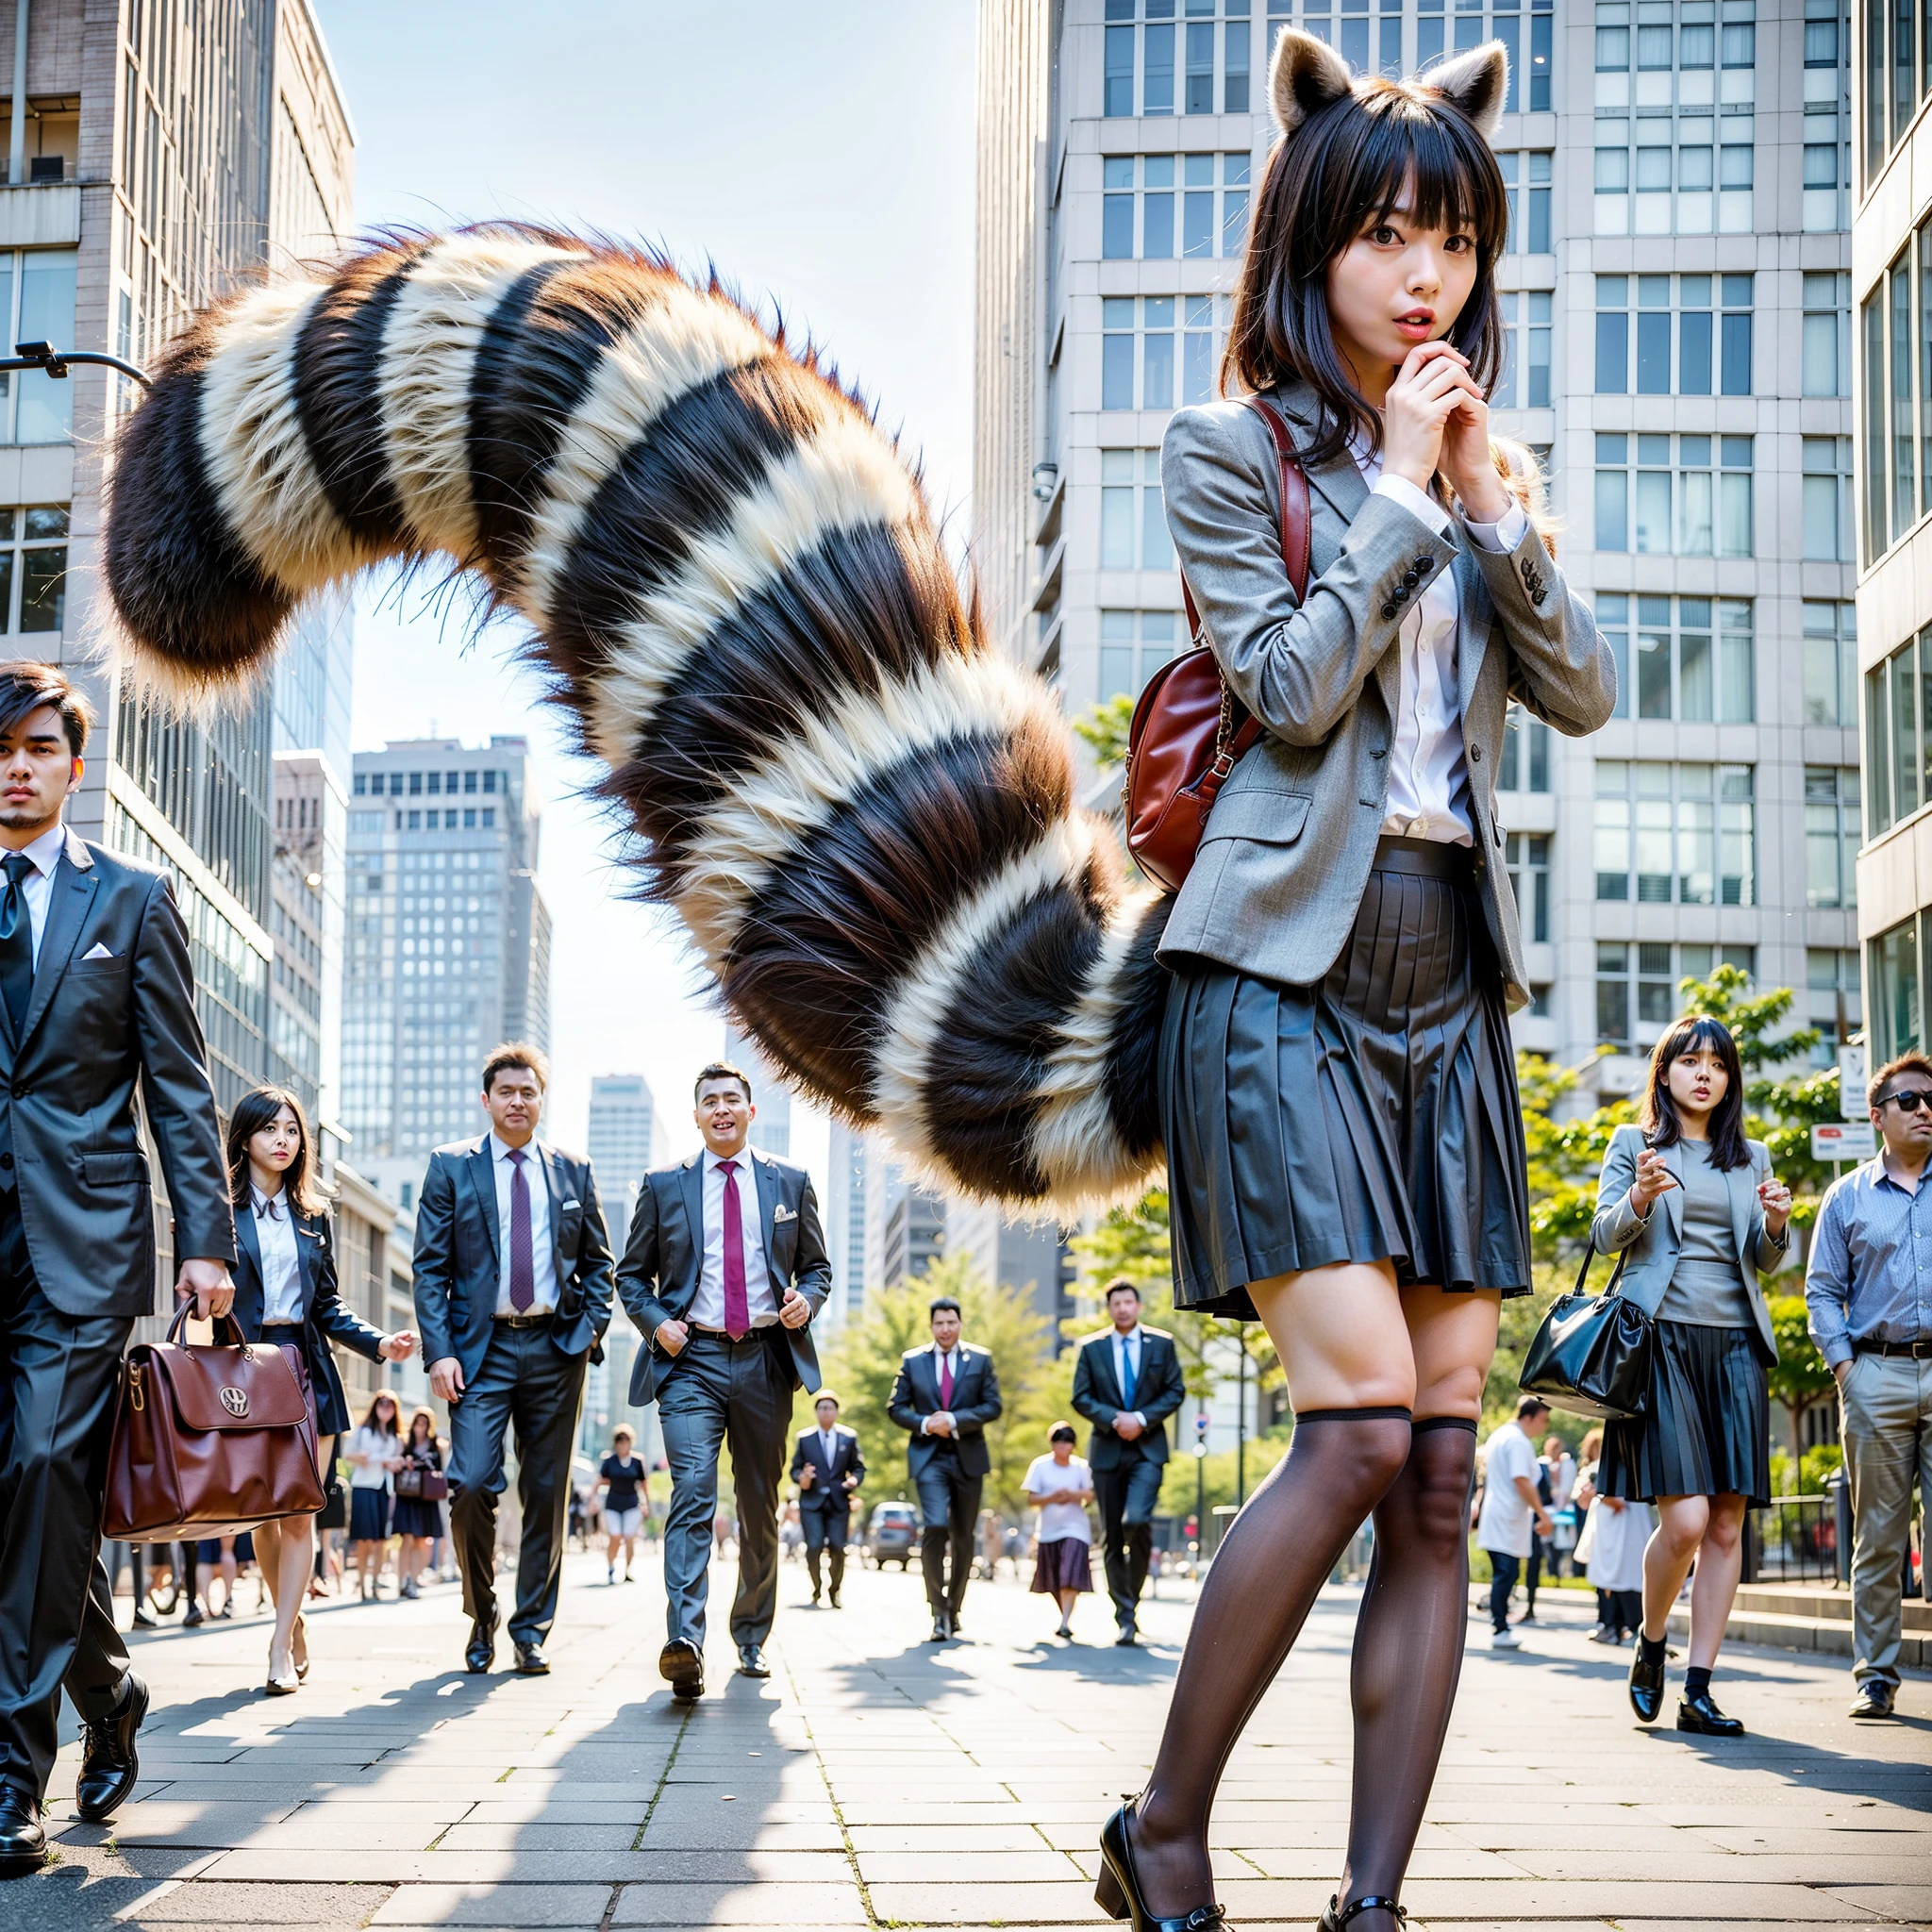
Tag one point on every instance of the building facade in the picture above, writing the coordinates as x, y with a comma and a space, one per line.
448, 947
847, 1170
626, 1141
1676, 303
771, 1131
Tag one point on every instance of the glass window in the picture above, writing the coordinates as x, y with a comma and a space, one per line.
33, 568
1527, 855
38, 409
1831, 836
1895, 990
1831, 664
1119, 81
1683, 833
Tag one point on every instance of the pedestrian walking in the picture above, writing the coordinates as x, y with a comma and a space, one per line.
1061, 1486
944, 1396
1559, 1470
1869, 1295
1610, 1548
96, 999
724, 1269
374, 1454
1126, 1383
624, 1487
1543, 1538
512, 1297
1701, 1450
418, 1518
829, 1465
1511, 1513
287, 1294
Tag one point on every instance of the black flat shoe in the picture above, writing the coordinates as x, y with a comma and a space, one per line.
1646, 1686
1702, 1715
1333, 1920
108, 1764
23, 1840
1118, 1893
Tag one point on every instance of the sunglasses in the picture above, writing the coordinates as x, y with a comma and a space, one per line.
1910, 1103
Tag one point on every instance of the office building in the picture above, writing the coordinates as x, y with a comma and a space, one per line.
448, 943
771, 1131
847, 1164
626, 1141
1676, 302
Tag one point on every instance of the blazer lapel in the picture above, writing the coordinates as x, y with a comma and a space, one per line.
1110, 1384
770, 1188
1472, 623
483, 1178
692, 1184
1743, 1182
546, 1160
69, 899
250, 1247
1339, 479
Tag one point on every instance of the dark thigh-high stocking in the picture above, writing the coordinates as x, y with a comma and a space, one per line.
1408, 1655
1274, 1561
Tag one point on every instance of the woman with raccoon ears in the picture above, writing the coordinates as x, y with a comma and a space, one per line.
1338, 1090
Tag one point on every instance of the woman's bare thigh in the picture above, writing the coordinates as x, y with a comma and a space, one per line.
1452, 1338
1341, 1334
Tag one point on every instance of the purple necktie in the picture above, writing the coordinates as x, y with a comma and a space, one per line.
945, 1381
737, 1303
522, 1260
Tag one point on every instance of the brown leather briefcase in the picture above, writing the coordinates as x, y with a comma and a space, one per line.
209, 1440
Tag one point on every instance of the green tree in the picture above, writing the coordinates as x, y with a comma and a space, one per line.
1800, 1377
1103, 728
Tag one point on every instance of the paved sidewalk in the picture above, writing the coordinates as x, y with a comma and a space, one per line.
877, 1781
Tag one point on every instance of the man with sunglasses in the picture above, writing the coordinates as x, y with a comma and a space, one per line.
1869, 1289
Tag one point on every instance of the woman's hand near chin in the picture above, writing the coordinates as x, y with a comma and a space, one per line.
1417, 410
1467, 465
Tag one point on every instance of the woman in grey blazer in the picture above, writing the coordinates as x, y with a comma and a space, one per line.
1337, 1083
1701, 1451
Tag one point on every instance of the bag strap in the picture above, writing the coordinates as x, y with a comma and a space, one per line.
235, 1338
1294, 512
1590, 1256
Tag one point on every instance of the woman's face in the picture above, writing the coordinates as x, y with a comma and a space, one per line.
1395, 285
385, 1415
1697, 1081
276, 1145
1063, 1452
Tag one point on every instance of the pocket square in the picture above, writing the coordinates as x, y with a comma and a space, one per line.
97, 951
781, 1212
568, 1205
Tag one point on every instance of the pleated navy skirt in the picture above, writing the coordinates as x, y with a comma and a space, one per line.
1369, 1116
1706, 1430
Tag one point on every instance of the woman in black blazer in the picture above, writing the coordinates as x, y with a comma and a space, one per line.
286, 1292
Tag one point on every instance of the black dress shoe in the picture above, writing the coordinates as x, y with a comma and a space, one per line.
23, 1840
1874, 1701
682, 1666
1646, 1686
1129, 1637
940, 1633
751, 1661
191, 1617
1118, 1893
531, 1662
1700, 1714
109, 1764
482, 1651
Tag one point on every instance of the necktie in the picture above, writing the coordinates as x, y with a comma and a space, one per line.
16, 940
1128, 1376
945, 1381
737, 1303
271, 1206
523, 1259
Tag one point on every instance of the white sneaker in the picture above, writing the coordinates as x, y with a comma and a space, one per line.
1505, 1639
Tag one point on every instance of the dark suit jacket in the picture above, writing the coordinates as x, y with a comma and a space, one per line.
657, 1278
324, 1316
975, 1403
458, 1248
94, 1028
828, 1490
1157, 1393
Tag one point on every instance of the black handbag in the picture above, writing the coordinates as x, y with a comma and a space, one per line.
1592, 1353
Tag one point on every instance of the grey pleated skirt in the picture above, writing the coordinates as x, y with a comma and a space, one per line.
1372, 1116
1706, 1430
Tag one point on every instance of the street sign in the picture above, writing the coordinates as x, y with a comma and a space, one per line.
1853, 1141
1850, 1084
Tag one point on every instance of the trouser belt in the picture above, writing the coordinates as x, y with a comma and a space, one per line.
1914, 1351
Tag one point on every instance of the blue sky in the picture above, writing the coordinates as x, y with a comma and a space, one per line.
823, 158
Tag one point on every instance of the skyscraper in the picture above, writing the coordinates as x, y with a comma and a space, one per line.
772, 1130
626, 1141
1674, 298
846, 1185
449, 943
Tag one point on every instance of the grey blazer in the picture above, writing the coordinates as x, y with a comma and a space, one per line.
1289, 844
1657, 1236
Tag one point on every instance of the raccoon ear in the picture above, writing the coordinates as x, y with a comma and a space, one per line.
1305, 74
1477, 82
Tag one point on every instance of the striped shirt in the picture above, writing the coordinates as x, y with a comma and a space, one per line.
1870, 1278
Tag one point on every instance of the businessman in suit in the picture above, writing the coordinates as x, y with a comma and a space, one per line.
944, 1396
1126, 1383
512, 1298
827, 1465
725, 1268
96, 997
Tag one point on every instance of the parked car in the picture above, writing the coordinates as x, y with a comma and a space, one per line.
892, 1535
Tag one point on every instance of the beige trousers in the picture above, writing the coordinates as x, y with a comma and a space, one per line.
1885, 1412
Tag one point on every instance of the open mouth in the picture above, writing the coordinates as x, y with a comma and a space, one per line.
1417, 323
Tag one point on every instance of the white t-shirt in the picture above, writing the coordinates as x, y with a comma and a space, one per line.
1506, 1524
1059, 1521
378, 1448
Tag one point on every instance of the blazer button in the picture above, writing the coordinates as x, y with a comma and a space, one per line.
1425, 563
1387, 610
1476, 754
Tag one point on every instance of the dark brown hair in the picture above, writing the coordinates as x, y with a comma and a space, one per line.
423, 1415
254, 1112
1345, 167
383, 1395
25, 684
515, 1054
719, 1070
1119, 1285
1657, 1114
1906, 1062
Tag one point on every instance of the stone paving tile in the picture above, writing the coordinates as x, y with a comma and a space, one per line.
528, 1836
746, 1905
1014, 1905
572, 1905
1911, 1902
965, 1867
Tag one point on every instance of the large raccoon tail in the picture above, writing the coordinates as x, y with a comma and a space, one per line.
864, 812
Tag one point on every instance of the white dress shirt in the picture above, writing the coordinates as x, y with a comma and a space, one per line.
37, 888
943, 1358
1428, 781
281, 1267
707, 1309
543, 1250
1128, 1348
828, 1441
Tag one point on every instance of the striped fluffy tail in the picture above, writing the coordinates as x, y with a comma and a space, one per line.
864, 814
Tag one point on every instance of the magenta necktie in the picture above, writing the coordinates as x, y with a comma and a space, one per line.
945, 1382
522, 1260
737, 1305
